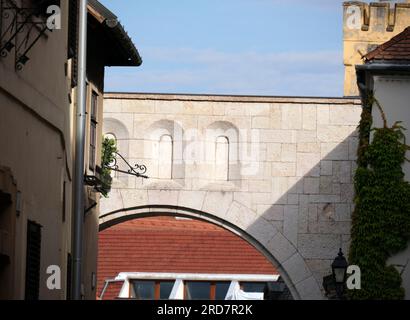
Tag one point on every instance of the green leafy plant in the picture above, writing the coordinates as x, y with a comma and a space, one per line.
109, 148
381, 220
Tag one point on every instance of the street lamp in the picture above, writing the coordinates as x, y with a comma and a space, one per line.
339, 269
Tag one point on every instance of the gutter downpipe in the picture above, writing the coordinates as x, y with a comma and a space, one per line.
79, 152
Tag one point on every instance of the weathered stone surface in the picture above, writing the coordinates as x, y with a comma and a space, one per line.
308, 147
260, 185
281, 248
297, 269
342, 171
273, 152
291, 116
347, 192
260, 109
311, 185
288, 152
163, 197
320, 268
271, 213
276, 116
290, 224
191, 199
327, 133
335, 151
130, 107
345, 115
309, 117
240, 215
283, 169
131, 198
330, 227
261, 122
308, 164
309, 289
113, 205
326, 168
326, 185
323, 115
304, 136
293, 199
217, 203
262, 230
278, 136
343, 212
319, 246
280, 190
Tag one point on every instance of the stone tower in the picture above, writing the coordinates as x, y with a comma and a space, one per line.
365, 26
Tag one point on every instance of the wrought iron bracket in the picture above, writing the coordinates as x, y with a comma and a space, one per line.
137, 170
20, 29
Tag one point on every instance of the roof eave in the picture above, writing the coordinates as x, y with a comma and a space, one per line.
111, 23
120, 33
383, 67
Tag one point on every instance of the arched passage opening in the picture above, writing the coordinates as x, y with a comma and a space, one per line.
123, 217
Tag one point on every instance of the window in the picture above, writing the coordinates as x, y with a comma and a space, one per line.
151, 289
221, 289
165, 157
72, 42
222, 159
93, 131
143, 290
33, 261
200, 290
165, 289
253, 286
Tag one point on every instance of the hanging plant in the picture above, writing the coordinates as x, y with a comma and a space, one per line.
109, 148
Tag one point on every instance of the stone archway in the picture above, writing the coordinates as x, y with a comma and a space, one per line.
265, 238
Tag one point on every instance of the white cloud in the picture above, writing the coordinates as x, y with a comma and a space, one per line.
185, 70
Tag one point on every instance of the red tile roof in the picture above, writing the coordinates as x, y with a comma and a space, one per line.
166, 244
396, 49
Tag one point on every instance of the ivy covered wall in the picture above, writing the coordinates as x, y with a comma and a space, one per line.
381, 220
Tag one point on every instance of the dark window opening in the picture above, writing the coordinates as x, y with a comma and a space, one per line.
201, 290
151, 289
72, 41
143, 290
33, 254
253, 286
93, 131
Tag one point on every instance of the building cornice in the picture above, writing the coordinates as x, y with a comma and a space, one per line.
231, 98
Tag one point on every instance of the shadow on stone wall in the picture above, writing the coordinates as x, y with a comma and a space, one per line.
311, 218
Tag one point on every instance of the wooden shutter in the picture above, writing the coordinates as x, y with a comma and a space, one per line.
33, 261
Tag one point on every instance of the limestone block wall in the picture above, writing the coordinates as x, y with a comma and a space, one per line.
290, 165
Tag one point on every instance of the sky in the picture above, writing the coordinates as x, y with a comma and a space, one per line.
244, 47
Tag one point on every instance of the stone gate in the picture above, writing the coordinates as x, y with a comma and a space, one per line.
277, 171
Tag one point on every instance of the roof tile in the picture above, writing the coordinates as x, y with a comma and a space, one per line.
396, 49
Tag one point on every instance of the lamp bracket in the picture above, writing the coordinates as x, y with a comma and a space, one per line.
20, 29
137, 170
